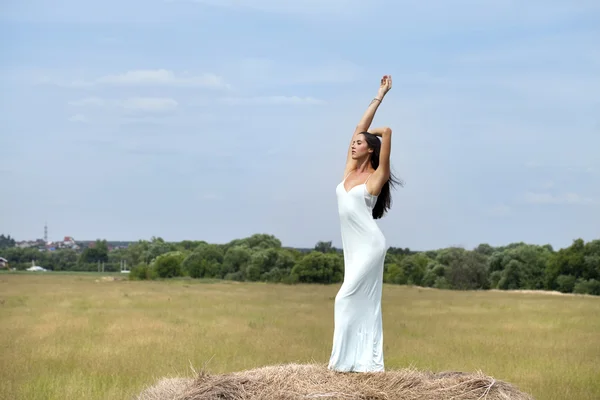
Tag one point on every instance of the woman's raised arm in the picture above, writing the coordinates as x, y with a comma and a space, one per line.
367, 118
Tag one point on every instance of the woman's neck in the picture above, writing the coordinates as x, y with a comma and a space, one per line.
364, 166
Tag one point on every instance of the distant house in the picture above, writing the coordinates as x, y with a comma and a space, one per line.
3, 263
67, 243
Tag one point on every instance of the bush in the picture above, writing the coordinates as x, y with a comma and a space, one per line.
395, 274
441, 283
274, 275
235, 276
591, 286
434, 270
192, 265
317, 267
565, 283
495, 278
168, 265
142, 272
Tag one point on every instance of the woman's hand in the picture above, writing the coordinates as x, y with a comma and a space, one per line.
381, 132
385, 86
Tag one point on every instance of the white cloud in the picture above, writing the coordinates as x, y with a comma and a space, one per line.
547, 198
78, 118
271, 100
89, 101
148, 104
147, 77
163, 77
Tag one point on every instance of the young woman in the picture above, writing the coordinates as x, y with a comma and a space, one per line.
363, 196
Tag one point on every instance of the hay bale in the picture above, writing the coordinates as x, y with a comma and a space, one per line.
311, 381
166, 388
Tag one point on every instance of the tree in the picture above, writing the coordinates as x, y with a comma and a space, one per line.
510, 277
520, 266
398, 251
448, 255
235, 262
261, 262
484, 249
395, 274
63, 259
256, 242
317, 267
212, 255
168, 265
567, 262
190, 245
325, 247
414, 267
98, 253
134, 254
434, 271
155, 248
468, 271
194, 265
6, 242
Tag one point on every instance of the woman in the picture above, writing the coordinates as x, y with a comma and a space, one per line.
363, 196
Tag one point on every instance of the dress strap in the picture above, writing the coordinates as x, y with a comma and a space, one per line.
347, 175
368, 178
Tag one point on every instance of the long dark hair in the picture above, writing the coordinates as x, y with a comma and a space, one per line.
384, 201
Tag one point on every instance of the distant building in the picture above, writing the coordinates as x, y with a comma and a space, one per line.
27, 243
3, 263
67, 243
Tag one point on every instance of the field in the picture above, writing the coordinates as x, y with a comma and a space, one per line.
82, 336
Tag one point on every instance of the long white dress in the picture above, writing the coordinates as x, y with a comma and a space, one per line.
358, 330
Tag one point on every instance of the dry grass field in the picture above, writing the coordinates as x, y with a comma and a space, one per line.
79, 336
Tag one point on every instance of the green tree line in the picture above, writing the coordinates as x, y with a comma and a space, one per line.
261, 257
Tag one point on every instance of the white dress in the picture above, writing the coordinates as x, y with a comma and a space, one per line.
358, 330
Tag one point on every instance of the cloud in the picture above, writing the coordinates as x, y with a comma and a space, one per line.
89, 101
547, 198
78, 118
147, 77
271, 100
147, 104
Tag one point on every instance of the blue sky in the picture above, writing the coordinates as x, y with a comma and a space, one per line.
217, 119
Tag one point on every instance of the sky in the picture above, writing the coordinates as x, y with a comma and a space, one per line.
217, 119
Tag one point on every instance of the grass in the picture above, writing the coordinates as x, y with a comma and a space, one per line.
74, 336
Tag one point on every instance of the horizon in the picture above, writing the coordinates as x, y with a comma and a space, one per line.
196, 119
283, 245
